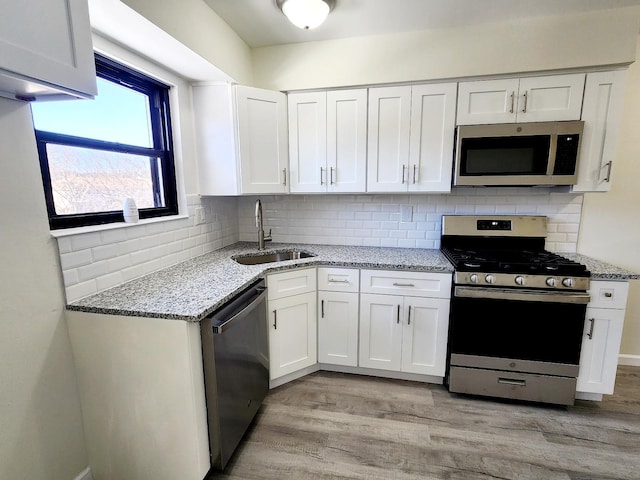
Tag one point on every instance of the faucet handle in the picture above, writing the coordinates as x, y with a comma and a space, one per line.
268, 238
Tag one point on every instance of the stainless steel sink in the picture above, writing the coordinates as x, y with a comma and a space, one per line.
272, 257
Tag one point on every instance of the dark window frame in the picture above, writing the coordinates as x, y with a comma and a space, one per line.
164, 182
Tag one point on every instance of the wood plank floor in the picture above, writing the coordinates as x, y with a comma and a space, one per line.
335, 426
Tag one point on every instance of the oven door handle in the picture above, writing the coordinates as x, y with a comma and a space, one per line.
522, 295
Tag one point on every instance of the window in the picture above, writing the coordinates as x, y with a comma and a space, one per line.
96, 153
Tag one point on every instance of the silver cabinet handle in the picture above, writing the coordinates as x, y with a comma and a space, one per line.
321, 170
513, 96
512, 381
608, 294
331, 176
590, 334
409, 316
284, 176
404, 167
275, 320
331, 280
398, 316
322, 308
608, 177
395, 284
524, 108
415, 167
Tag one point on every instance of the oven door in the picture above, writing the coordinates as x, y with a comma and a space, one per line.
517, 329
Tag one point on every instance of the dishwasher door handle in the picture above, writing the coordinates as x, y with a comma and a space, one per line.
219, 329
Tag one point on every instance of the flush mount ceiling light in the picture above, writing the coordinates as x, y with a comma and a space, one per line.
306, 14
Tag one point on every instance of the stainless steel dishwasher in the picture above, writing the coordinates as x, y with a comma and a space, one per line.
236, 369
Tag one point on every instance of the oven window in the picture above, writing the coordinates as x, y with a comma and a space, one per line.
522, 155
538, 331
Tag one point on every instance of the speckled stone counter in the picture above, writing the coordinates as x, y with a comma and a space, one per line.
191, 290
602, 270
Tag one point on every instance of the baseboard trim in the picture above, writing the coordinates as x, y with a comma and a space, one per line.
631, 360
84, 475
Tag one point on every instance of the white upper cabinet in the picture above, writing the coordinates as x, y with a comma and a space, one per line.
46, 50
388, 152
241, 135
602, 114
327, 147
433, 112
411, 131
262, 133
527, 99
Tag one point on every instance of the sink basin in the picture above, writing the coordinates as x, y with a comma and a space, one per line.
272, 257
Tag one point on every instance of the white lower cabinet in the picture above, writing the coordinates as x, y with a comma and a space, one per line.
602, 337
338, 316
338, 328
401, 332
292, 321
407, 334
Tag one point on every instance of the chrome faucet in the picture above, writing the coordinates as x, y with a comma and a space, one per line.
261, 237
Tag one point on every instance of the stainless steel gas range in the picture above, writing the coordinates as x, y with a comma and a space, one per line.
517, 310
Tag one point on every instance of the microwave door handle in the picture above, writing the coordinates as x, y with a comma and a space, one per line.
553, 147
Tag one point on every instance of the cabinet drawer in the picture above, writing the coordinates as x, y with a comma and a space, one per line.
338, 279
423, 284
608, 294
293, 282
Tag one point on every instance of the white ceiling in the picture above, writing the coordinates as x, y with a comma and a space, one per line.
260, 22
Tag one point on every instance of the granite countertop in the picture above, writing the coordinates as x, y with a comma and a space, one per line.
602, 270
191, 290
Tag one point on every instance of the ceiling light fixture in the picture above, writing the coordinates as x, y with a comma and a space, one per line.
306, 14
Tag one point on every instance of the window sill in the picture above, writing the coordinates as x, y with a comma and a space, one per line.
67, 232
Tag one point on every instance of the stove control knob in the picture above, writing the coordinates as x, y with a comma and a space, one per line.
551, 282
473, 278
567, 282
519, 280
489, 279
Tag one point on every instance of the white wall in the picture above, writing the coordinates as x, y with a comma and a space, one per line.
194, 24
41, 435
544, 43
374, 220
611, 221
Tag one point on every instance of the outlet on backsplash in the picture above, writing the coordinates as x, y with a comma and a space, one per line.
406, 213
200, 215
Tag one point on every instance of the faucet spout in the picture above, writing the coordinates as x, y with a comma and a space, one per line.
261, 236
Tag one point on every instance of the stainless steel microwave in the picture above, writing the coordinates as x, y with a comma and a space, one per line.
544, 153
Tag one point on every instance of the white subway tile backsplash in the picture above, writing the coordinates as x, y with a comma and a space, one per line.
75, 259
79, 290
96, 261
365, 215
93, 270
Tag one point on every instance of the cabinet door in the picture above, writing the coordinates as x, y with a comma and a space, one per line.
552, 98
487, 101
347, 141
292, 334
388, 139
338, 328
602, 114
600, 349
46, 47
308, 141
262, 133
424, 336
433, 122
381, 331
